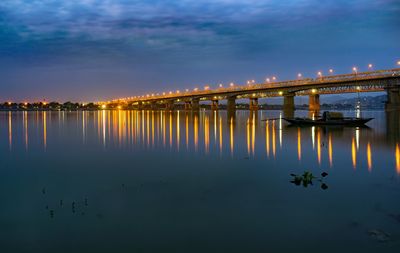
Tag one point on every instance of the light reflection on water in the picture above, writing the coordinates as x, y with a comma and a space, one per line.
208, 133
182, 170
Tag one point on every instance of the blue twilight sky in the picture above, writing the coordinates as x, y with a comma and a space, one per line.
98, 49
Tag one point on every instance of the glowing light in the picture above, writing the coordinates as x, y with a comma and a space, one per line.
330, 150
331, 71
353, 153
274, 78
9, 103
163, 93
319, 73
119, 107
220, 85
231, 84
196, 89
268, 80
299, 144
267, 138
369, 157
319, 146
398, 62
170, 92
187, 90
178, 91
397, 156
44, 103
370, 66
313, 90
355, 70
103, 106
280, 93
299, 75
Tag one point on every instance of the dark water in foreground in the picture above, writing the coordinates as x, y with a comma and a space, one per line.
133, 181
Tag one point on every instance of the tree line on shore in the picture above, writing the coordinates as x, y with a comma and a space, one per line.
52, 106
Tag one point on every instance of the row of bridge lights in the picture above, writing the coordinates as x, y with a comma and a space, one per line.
251, 82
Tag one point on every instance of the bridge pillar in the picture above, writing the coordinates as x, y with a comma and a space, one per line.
313, 104
153, 105
214, 104
253, 104
195, 104
188, 105
169, 105
288, 105
393, 99
140, 105
231, 104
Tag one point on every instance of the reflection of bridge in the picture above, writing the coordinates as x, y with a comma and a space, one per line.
381, 80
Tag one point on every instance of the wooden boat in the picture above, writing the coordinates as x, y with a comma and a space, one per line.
328, 120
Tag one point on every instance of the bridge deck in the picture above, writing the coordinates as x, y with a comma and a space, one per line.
355, 82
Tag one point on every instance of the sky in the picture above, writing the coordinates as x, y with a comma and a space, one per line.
92, 50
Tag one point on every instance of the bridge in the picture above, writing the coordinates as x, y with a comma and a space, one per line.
371, 81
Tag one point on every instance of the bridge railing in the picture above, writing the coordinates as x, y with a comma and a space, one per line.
271, 85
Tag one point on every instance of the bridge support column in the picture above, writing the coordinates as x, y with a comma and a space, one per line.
393, 99
231, 104
313, 104
188, 105
195, 104
253, 104
140, 105
288, 105
169, 105
153, 105
214, 105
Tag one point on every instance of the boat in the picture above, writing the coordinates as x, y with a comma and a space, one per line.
329, 119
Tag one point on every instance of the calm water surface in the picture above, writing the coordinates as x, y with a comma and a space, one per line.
151, 181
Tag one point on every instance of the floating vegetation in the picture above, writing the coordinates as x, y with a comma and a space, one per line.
307, 179
379, 235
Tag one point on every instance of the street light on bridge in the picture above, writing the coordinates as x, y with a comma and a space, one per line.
299, 75
231, 84
319, 74
331, 71
273, 78
268, 80
398, 62
370, 66
355, 70
220, 85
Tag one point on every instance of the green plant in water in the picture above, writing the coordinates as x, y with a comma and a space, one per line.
307, 179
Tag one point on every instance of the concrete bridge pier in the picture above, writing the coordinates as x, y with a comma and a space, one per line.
231, 104
195, 103
288, 105
313, 104
153, 106
393, 99
214, 104
188, 105
140, 105
253, 104
169, 105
